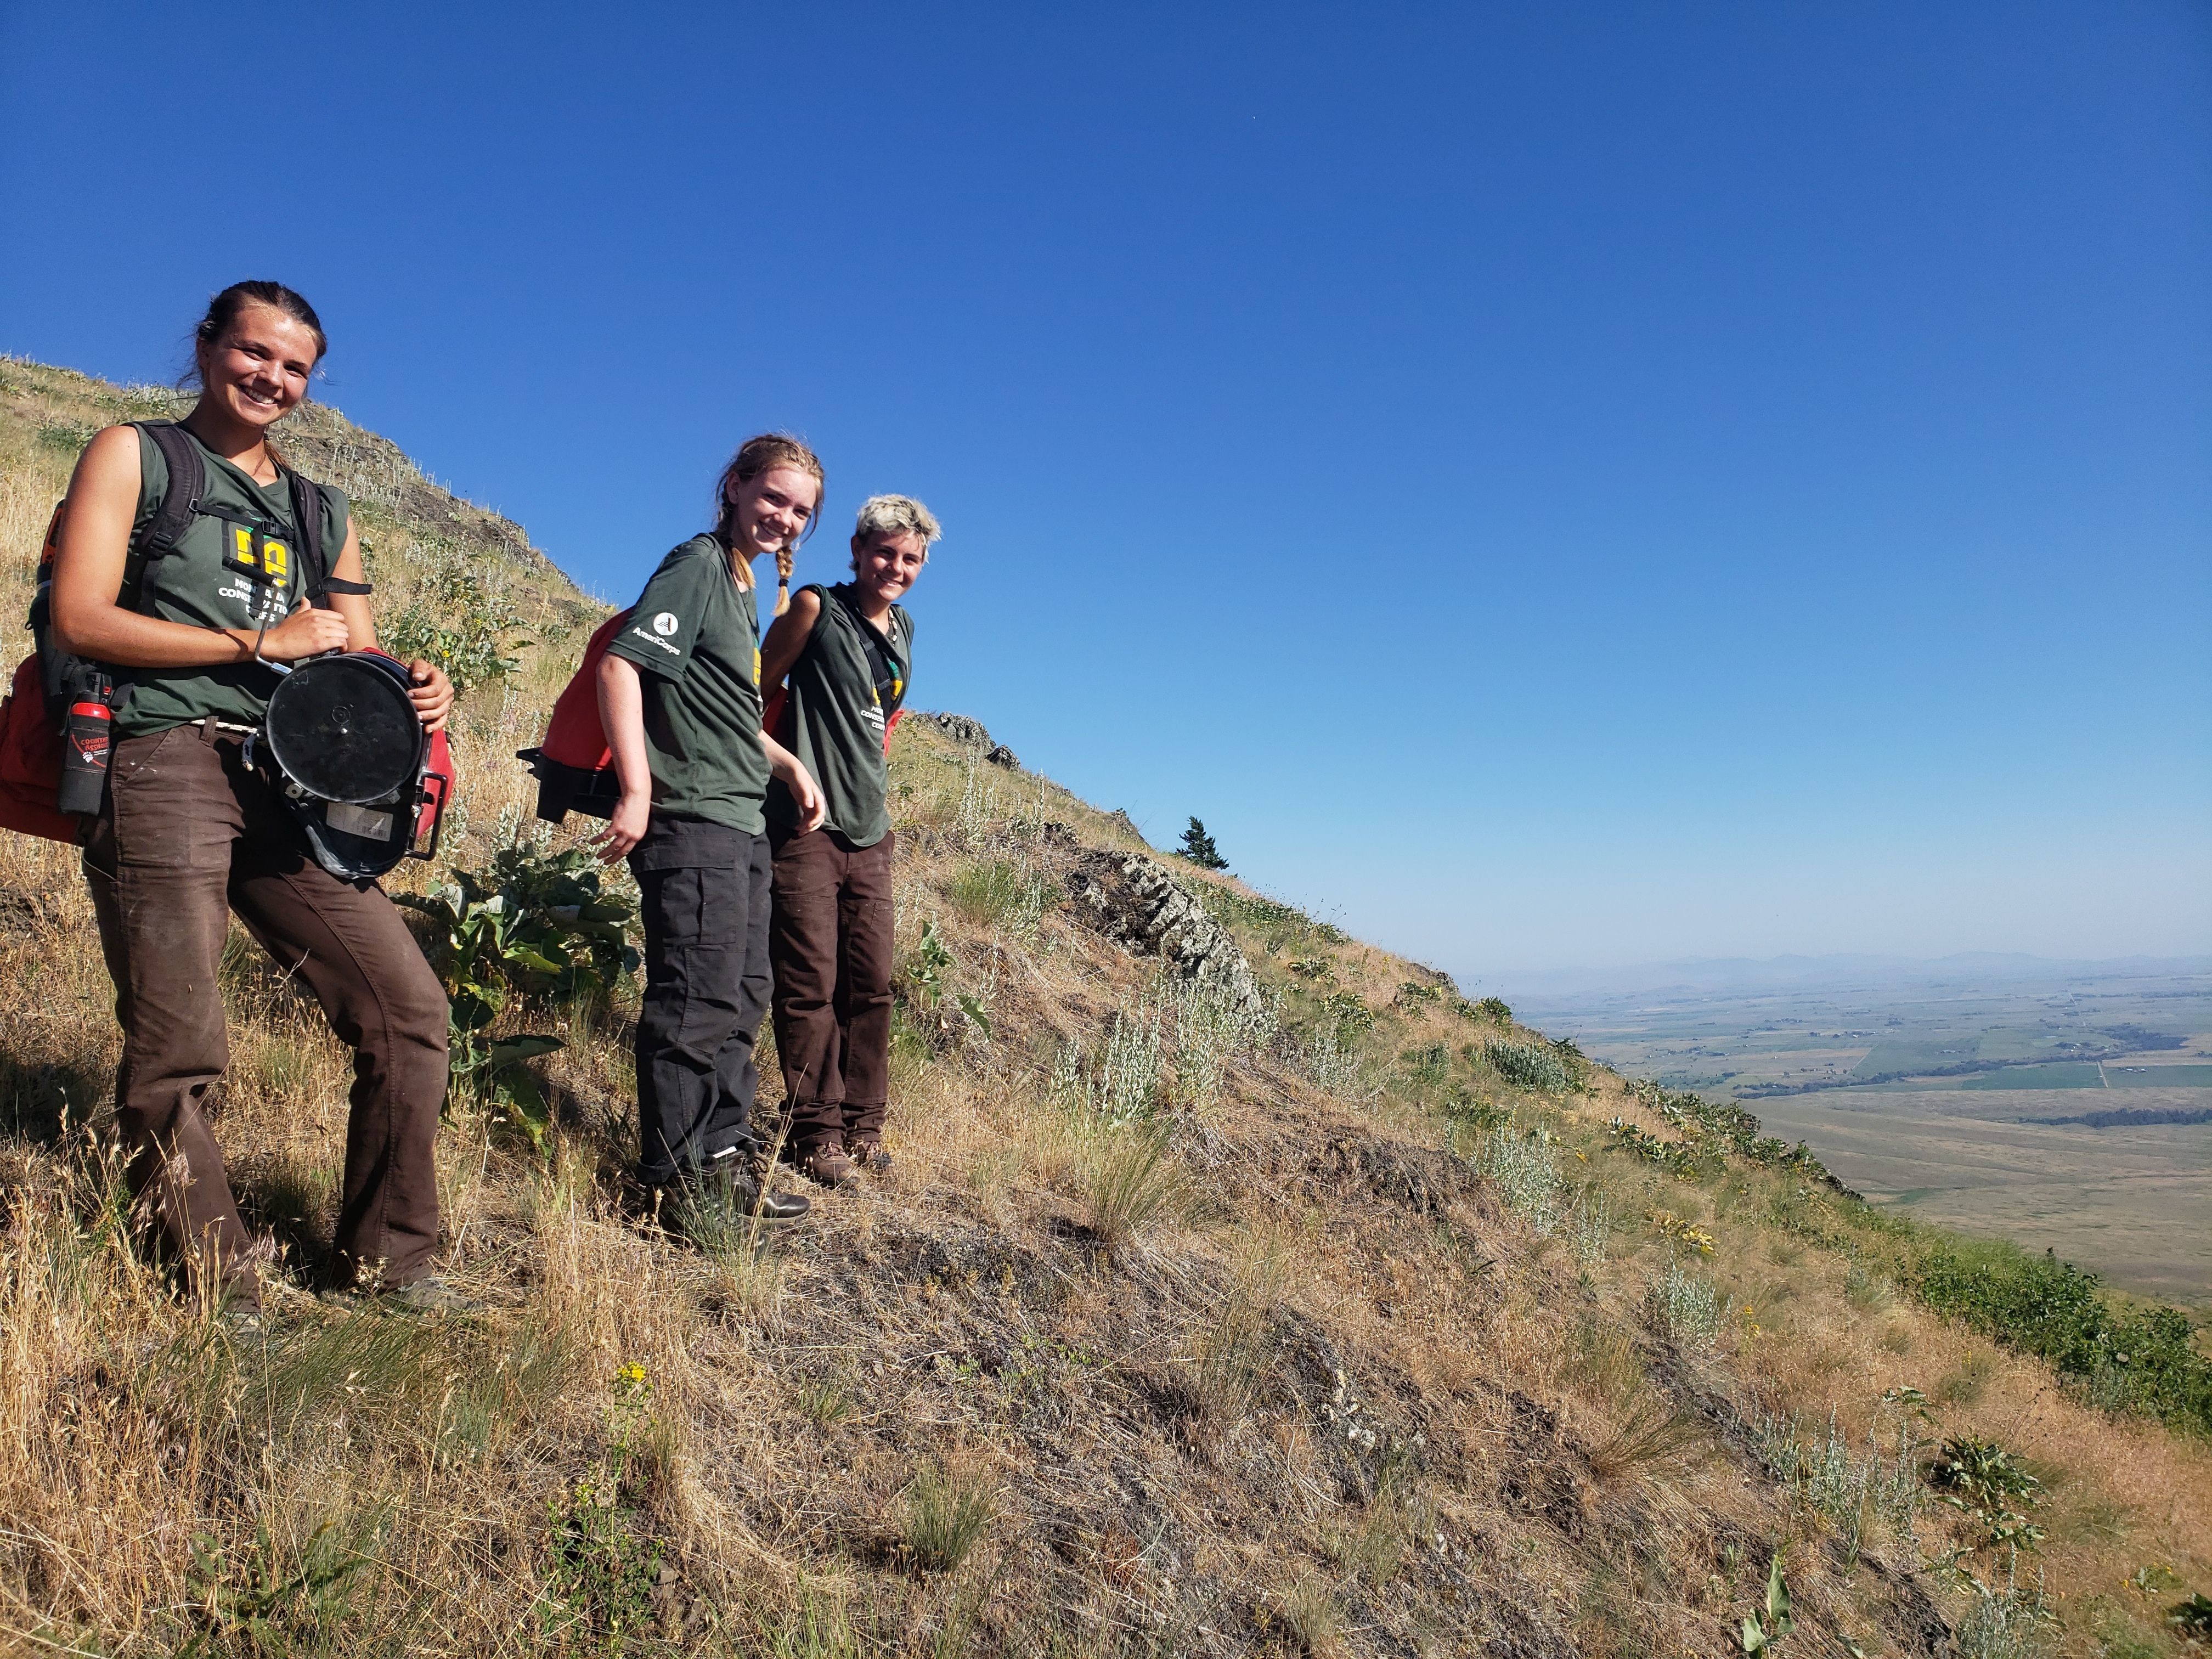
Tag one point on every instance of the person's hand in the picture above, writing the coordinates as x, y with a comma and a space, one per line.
625, 828
813, 807
307, 632
433, 695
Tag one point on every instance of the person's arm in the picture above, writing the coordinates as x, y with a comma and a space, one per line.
813, 807
621, 713
787, 639
433, 695
89, 563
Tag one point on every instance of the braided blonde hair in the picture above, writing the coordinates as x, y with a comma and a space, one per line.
756, 455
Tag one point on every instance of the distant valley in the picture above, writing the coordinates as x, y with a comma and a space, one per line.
2065, 1105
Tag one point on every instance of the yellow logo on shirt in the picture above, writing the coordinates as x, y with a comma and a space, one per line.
260, 557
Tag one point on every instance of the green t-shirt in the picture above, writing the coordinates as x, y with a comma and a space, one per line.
697, 635
234, 566
836, 718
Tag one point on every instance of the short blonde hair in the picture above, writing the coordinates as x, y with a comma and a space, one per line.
896, 515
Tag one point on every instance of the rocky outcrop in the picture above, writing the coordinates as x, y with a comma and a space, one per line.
972, 734
1133, 899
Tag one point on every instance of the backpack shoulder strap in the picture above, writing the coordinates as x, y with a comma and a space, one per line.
180, 501
307, 520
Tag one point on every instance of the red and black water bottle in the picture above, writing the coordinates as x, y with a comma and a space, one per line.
85, 739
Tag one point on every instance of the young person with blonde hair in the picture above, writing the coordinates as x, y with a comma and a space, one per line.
679, 695
848, 653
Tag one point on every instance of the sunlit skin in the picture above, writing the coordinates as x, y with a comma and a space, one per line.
885, 566
767, 516
250, 378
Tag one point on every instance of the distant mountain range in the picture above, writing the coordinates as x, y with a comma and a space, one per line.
1690, 976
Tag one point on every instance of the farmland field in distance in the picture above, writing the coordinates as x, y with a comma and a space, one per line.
2067, 1109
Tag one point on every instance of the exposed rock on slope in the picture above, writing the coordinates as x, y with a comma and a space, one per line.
1133, 899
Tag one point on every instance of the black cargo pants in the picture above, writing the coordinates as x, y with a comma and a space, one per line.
704, 888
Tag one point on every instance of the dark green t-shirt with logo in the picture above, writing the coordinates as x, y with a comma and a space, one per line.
235, 566
695, 634
837, 717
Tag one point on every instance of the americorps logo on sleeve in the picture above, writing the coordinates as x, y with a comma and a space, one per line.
664, 624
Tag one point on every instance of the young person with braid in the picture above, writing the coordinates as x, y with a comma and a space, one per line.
847, 655
680, 694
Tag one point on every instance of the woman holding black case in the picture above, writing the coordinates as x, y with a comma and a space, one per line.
191, 833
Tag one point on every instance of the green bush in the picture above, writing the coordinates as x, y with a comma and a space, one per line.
537, 930
1531, 1064
2144, 1360
457, 619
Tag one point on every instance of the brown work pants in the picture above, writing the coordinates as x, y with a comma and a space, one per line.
831, 946
188, 836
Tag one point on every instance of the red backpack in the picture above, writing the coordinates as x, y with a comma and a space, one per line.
573, 764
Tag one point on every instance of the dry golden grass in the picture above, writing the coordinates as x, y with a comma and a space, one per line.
1272, 1373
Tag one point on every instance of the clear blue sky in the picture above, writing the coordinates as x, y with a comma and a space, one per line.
1548, 484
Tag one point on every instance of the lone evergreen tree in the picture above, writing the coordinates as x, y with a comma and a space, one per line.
1198, 847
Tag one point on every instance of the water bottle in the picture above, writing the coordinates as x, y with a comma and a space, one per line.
85, 736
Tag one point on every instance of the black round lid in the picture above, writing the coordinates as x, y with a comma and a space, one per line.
342, 729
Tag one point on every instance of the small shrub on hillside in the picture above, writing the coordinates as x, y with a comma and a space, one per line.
1329, 1060
1684, 1309
1525, 1170
1212, 1032
1492, 1008
2010, 1622
458, 619
1531, 1064
600, 1578
1122, 1086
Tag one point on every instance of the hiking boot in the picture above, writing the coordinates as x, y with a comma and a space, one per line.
713, 1206
828, 1164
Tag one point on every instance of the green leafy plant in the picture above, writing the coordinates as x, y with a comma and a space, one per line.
1981, 1479
537, 930
457, 619
1763, 1630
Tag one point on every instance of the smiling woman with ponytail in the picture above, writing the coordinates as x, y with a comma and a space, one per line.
190, 624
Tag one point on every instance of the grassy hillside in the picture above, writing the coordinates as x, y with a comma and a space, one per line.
1317, 1312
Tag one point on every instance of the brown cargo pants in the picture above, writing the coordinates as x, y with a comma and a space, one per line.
831, 946
189, 835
